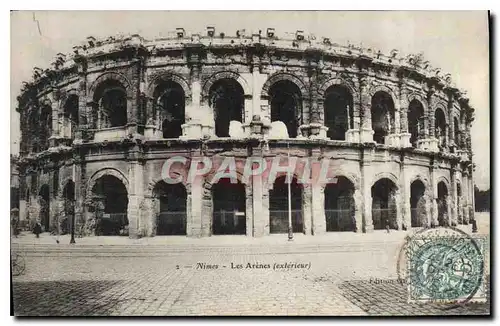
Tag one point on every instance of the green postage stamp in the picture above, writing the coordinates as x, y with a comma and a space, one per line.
446, 265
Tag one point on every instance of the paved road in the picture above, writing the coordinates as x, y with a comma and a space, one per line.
344, 276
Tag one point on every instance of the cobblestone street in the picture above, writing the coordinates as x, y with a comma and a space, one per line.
337, 277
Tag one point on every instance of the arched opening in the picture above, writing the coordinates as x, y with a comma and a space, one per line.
278, 206
68, 224
110, 206
70, 116
415, 121
44, 201
456, 129
338, 111
440, 127
14, 197
382, 111
340, 206
460, 216
171, 208
226, 98
45, 126
229, 206
111, 97
384, 209
442, 204
417, 204
286, 105
169, 108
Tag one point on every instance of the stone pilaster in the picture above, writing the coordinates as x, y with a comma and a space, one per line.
258, 205
471, 204
434, 207
249, 209
366, 171
318, 209
405, 197
265, 209
206, 211
398, 199
358, 210
307, 208
365, 132
135, 198
194, 208
453, 198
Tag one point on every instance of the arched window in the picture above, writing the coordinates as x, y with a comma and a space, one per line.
338, 112
111, 97
45, 126
286, 105
169, 108
440, 127
70, 116
226, 98
382, 111
415, 121
456, 128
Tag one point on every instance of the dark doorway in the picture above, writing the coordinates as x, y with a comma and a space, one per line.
171, 213
229, 207
440, 127
111, 198
44, 197
339, 206
417, 204
278, 206
442, 204
68, 224
384, 209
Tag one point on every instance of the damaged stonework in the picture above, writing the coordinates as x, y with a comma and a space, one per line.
107, 117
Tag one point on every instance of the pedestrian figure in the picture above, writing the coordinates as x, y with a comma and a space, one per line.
387, 226
37, 229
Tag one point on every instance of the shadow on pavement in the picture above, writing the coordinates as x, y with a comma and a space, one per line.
62, 298
389, 297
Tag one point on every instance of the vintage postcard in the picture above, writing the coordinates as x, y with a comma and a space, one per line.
250, 163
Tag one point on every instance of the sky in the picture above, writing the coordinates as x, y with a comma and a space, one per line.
456, 42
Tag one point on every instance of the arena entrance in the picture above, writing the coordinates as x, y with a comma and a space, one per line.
278, 206
110, 206
171, 209
68, 224
384, 209
229, 206
339, 206
442, 204
44, 200
417, 204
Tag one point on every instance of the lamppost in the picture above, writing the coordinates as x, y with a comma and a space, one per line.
290, 227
